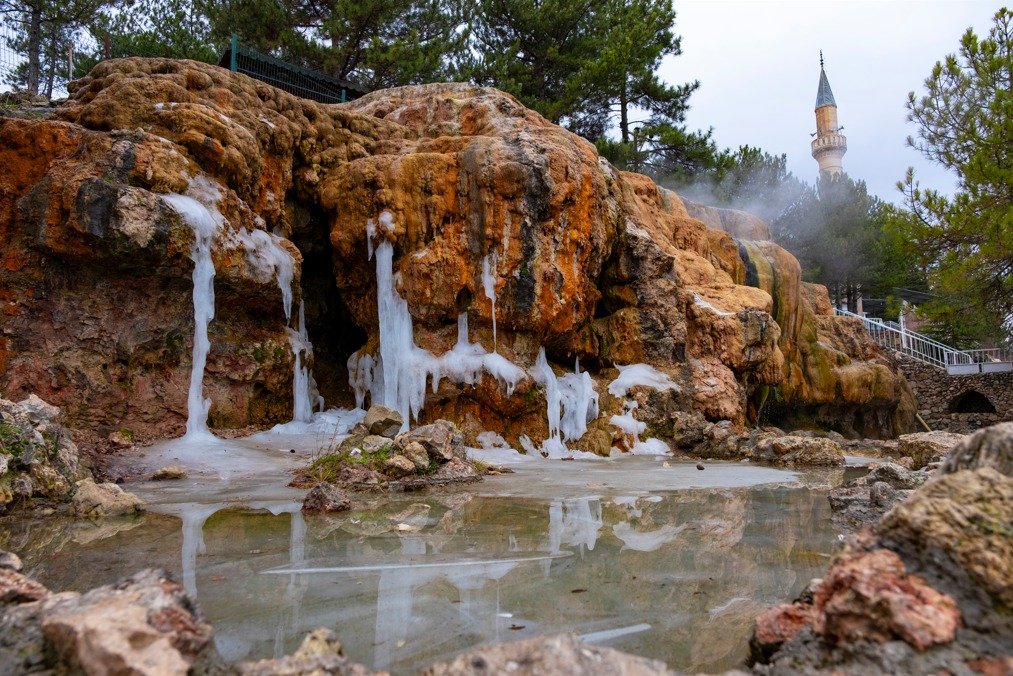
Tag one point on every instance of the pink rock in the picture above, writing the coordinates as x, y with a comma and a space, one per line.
870, 596
16, 588
781, 623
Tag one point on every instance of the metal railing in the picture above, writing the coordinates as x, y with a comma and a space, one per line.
896, 337
991, 360
304, 82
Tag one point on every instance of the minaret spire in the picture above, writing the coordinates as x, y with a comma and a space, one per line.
829, 146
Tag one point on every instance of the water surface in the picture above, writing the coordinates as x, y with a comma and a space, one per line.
667, 562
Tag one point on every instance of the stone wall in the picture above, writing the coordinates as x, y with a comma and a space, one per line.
959, 403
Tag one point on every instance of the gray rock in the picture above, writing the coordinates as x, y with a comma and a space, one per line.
796, 450
17, 588
97, 500
398, 466
441, 439
38, 459
560, 655
10, 561
350, 442
169, 473
893, 474
883, 496
325, 498
416, 452
374, 443
990, 447
320, 653
145, 624
926, 447
38, 411
456, 470
383, 421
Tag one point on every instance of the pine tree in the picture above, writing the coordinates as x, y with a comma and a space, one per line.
836, 232
536, 51
965, 124
378, 43
637, 35
43, 30
582, 63
177, 29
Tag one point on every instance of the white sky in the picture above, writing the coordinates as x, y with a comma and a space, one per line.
758, 66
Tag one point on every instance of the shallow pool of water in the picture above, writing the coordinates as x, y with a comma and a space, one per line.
667, 562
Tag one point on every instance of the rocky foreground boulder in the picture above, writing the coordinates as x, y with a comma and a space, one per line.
493, 213
925, 590
144, 624
148, 625
38, 459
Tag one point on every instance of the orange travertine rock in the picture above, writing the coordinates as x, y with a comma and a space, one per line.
589, 261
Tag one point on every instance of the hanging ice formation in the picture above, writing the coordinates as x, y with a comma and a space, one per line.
206, 223
304, 387
489, 285
631, 376
398, 375
571, 403
267, 259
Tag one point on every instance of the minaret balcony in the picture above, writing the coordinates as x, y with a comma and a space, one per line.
832, 141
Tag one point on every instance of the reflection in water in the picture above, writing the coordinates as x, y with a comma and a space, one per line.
574, 523
675, 576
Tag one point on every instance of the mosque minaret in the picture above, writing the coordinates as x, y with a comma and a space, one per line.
829, 145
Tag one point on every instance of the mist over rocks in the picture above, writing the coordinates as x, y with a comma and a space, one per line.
591, 263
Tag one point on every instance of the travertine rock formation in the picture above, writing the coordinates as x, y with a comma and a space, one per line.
588, 261
925, 590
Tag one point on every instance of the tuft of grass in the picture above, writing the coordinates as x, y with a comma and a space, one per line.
328, 466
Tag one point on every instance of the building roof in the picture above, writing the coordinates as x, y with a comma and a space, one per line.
824, 97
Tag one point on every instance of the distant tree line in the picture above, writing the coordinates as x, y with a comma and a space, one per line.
592, 66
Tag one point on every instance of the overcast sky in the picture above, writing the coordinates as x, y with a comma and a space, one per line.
758, 66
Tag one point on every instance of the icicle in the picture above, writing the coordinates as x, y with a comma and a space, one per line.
360, 377
639, 375
579, 403
543, 375
627, 423
403, 365
206, 223
489, 284
397, 376
268, 259
302, 392
571, 403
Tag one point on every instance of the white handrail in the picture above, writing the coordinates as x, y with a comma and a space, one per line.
955, 362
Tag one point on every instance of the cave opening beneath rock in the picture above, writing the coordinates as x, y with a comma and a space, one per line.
971, 401
330, 326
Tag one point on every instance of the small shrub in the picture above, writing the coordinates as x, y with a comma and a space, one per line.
12, 440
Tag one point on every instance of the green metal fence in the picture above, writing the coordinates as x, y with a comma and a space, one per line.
308, 84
